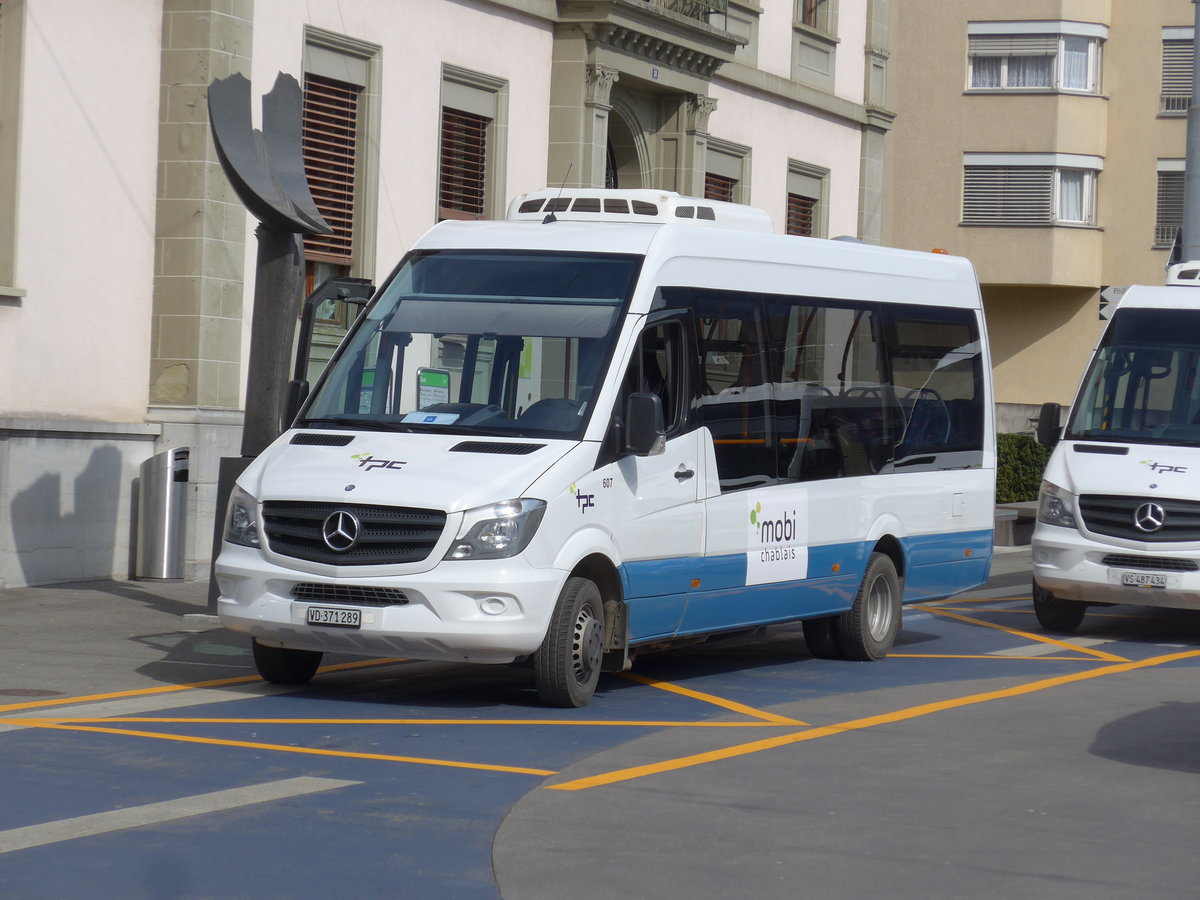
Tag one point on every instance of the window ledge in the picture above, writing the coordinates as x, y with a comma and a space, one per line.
1036, 91
11, 293
1070, 225
817, 34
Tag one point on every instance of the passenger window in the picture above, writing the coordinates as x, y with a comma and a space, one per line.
835, 408
937, 366
737, 373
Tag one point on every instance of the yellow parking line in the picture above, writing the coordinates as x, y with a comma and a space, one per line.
312, 751
899, 715
986, 656
171, 688
709, 698
185, 720
1036, 638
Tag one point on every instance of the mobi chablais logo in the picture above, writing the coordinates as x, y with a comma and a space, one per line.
775, 535
777, 542
1162, 467
367, 462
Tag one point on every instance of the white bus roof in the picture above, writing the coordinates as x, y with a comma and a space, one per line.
715, 253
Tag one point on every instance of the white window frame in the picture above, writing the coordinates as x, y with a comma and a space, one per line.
1005, 41
1027, 189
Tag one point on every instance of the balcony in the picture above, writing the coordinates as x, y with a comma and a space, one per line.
687, 35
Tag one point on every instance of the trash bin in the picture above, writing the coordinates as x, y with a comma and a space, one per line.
162, 508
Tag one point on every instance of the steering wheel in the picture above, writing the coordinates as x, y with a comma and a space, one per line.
928, 419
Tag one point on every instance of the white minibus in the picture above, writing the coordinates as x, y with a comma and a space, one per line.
614, 421
1119, 509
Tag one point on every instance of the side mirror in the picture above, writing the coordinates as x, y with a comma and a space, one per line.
1048, 430
644, 428
297, 393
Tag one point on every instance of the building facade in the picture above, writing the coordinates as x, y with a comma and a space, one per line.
1044, 140
127, 263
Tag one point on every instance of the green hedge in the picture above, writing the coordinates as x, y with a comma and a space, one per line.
1019, 467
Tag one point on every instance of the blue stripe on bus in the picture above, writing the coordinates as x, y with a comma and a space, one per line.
663, 604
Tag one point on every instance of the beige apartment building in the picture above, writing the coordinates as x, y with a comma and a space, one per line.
1044, 140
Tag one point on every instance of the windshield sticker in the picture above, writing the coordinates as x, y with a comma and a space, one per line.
367, 462
582, 500
428, 418
1163, 467
777, 543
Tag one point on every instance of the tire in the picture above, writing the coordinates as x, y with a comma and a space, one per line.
820, 636
867, 630
1056, 614
282, 665
566, 667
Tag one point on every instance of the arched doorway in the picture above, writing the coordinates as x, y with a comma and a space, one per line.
626, 159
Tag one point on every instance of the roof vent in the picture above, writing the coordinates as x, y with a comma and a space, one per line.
642, 206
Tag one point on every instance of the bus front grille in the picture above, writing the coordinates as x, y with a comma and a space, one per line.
350, 534
1117, 516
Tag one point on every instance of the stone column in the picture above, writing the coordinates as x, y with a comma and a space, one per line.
697, 108
200, 247
580, 103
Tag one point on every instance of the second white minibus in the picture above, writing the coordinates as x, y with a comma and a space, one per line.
614, 421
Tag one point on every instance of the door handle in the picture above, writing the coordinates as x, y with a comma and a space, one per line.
683, 473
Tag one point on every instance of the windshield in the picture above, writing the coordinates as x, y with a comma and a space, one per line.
497, 343
1142, 384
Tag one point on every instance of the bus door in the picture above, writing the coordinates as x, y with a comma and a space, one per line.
657, 519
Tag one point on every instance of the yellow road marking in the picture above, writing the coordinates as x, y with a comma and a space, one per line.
312, 751
171, 688
185, 720
986, 656
1036, 638
709, 698
899, 715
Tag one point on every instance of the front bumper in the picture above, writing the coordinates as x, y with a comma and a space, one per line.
472, 611
1073, 567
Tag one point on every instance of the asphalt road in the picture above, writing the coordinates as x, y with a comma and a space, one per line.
143, 758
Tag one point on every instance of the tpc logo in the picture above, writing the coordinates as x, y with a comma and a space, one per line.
367, 462
582, 500
1162, 467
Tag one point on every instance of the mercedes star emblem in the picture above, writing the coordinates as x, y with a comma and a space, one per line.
1149, 517
340, 530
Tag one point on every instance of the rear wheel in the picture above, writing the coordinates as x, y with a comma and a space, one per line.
1056, 614
868, 629
820, 636
567, 665
283, 665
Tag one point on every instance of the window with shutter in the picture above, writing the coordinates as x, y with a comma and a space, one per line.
1176, 77
330, 144
1034, 56
800, 215
718, 187
1030, 194
462, 181
1004, 195
1168, 214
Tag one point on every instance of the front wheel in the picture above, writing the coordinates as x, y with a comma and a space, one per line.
867, 630
283, 665
566, 667
1056, 614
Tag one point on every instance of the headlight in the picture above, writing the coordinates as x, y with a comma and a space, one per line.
241, 519
497, 531
1056, 506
